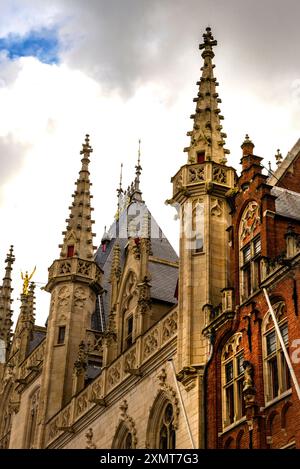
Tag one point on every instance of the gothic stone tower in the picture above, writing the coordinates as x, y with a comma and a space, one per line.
74, 281
200, 191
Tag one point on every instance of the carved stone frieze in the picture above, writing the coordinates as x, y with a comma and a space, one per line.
169, 326
150, 343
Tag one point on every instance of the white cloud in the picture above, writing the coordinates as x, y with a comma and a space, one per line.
128, 71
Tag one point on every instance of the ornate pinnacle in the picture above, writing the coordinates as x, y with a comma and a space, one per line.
207, 138
10, 258
208, 43
86, 151
6, 300
138, 170
78, 235
86, 148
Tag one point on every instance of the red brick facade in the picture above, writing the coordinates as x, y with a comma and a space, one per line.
264, 422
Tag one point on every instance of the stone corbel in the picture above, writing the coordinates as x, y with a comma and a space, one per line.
187, 377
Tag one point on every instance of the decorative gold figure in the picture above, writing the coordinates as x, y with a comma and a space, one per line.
26, 279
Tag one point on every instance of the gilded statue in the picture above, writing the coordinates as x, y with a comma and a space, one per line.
26, 279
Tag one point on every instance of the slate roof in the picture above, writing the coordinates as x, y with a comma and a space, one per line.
163, 276
38, 336
287, 202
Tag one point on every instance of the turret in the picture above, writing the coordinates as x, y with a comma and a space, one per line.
74, 282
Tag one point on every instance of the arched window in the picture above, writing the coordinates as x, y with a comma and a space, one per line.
32, 418
276, 372
127, 308
167, 433
233, 406
163, 422
250, 250
124, 437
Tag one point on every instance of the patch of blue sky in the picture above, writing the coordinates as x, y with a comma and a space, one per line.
42, 44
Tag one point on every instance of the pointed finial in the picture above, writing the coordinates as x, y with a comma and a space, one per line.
278, 157
135, 192
270, 168
10, 258
138, 166
139, 153
247, 146
86, 148
120, 190
208, 42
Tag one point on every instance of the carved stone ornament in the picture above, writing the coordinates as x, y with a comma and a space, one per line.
144, 300
187, 376
80, 297
63, 297
216, 208
130, 423
250, 220
89, 439
80, 364
219, 175
170, 394
248, 384
196, 174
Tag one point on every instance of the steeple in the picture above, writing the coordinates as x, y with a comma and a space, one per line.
6, 300
207, 138
78, 237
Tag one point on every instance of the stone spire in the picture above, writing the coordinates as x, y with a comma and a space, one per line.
26, 320
136, 193
207, 138
78, 237
6, 300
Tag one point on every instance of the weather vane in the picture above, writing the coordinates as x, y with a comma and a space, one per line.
26, 279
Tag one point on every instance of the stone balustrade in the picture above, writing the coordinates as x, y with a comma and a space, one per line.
119, 370
207, 172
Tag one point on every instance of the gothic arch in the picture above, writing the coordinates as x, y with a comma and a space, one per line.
125, 435
160, 403
239, 439
229, 443
32, 412
270, 422
284, 411
121, 438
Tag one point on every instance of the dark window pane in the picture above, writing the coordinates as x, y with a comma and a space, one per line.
241, 401
61, 334
246, 254
247, 281
200, 156
70, 251
257, 246
230, 403
286, 378
271, 343
285, 335
240, 361
274, 376
229, 371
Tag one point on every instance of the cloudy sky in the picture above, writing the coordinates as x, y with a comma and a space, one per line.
123, 70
